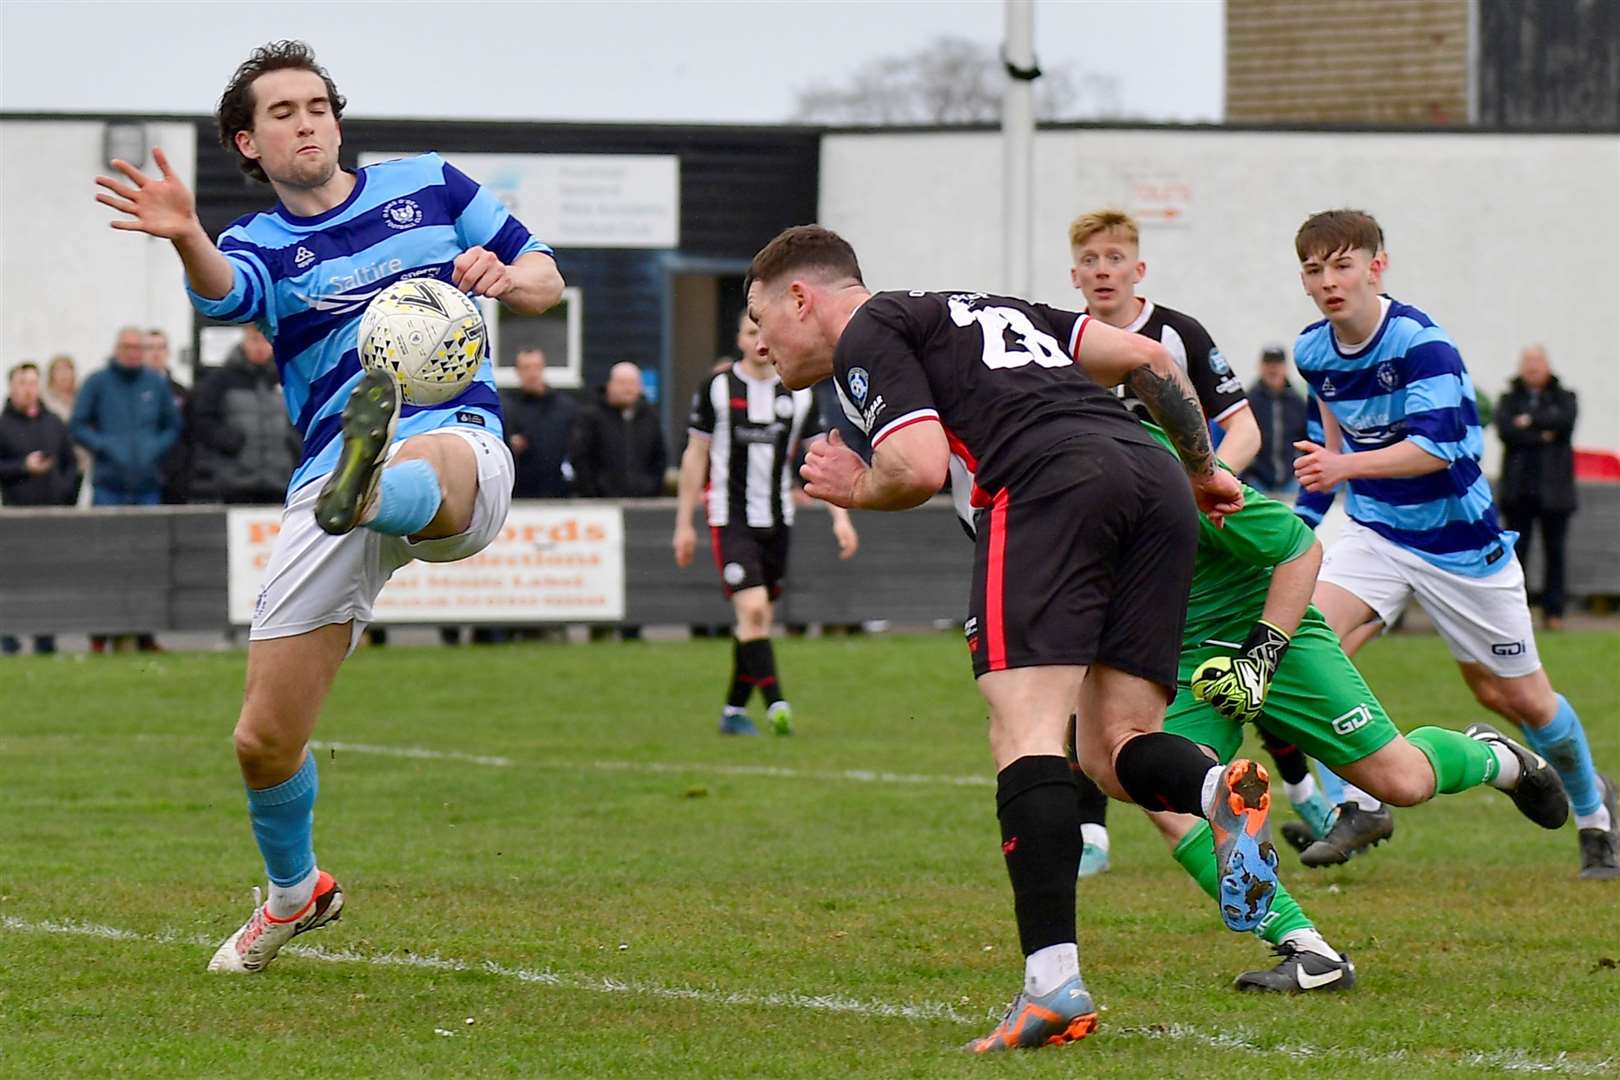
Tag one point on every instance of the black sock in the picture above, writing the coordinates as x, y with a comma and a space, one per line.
742, 680
1161, 771
757, 661
1040, 839
1291, 765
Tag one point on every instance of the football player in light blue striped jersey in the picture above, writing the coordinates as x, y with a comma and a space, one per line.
382, 481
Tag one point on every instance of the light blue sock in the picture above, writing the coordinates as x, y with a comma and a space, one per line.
283, 822
409, 498
1563, 743
1331, 786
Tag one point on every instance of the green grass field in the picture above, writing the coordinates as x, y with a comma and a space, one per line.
555, 867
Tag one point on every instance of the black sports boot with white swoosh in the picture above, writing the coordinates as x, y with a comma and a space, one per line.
1300, 972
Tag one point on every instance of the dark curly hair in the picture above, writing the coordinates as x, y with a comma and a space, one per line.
235, 112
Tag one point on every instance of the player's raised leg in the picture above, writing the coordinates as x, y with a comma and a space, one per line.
1040, 841
287, 680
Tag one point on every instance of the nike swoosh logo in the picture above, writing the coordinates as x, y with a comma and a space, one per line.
1307, 981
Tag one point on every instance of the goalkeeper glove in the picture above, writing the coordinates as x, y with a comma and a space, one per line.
1236, 686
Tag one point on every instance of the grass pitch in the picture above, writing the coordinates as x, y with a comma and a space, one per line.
574, 875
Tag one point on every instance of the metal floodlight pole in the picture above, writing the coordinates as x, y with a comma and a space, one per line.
1018, 145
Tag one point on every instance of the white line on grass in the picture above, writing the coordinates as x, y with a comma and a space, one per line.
1510, 1060
861, 776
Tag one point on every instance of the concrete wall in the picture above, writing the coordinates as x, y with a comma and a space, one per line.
68, 281
1502, 239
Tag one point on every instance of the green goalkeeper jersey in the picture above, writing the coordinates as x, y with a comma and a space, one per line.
1233, 572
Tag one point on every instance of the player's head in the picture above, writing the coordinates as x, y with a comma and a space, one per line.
129, 347
1534, 371
1342, 262
22, 385
748, 338
157, 350
280, 114
1105, 246
794, 296
531, 369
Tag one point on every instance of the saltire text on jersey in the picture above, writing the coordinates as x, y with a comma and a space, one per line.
307, 281
754, 427
1409, 383
998, 373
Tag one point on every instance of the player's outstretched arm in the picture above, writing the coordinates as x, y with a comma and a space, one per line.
164, 207
1242, 442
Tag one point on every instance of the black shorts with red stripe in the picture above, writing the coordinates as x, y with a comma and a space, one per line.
748, 557
1086, 559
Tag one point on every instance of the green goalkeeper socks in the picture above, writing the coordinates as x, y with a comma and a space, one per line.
1459, 762
1196, 854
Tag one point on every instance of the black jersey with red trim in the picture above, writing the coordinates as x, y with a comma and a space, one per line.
997, 372
754, 427
1219, 389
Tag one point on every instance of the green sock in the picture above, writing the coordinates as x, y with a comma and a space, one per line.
1196, 854
1459, 762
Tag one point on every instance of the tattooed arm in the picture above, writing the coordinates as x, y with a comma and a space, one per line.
1111, 356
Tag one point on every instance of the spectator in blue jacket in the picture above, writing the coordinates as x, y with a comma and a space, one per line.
126, 417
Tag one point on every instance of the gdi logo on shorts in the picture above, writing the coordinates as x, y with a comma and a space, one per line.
1357, 717
1508, 648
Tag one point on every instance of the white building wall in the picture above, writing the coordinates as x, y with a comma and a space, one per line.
68, 280
1503, 239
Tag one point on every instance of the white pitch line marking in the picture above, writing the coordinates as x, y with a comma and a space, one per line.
859, 776
1510, 1060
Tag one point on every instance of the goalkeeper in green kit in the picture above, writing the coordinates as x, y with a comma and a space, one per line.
1255, 650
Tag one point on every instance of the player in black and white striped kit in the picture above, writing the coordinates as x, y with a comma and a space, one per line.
744, 433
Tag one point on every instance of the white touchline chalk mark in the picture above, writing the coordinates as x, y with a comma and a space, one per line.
1511, 1060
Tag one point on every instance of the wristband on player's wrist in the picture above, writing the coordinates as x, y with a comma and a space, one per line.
1266, 644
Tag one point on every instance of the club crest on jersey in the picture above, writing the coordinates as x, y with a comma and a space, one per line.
859, 383
1388, 377
402, 214
784, 407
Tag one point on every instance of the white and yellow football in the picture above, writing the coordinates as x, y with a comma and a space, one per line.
427, 334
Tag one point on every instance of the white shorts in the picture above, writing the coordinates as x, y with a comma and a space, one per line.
315, 579
1484, 620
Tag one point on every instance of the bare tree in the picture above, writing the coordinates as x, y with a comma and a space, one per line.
952, 80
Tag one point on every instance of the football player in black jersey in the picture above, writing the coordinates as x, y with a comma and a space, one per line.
742, 438
1107, 267
1085, 537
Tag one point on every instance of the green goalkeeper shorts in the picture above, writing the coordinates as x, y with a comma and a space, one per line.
1318, 701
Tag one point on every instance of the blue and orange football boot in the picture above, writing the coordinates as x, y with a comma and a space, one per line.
1064, 1016
1246, 859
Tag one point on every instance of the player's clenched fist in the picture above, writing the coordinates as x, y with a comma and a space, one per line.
831, 470
481, 273
1236, 686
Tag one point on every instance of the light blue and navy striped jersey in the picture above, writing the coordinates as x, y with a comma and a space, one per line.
1409, 383
306, 282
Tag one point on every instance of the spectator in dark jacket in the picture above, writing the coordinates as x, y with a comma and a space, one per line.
126, 417
619, 450
1536, 418
176, 464
245, 450
539, 427
1279, 409
37, 465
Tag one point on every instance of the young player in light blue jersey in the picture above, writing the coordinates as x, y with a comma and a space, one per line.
1402, 430
381, 482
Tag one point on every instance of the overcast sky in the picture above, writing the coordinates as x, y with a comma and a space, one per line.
671, 60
